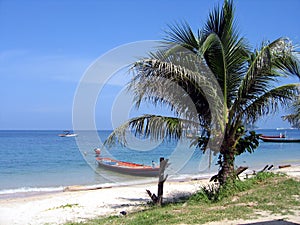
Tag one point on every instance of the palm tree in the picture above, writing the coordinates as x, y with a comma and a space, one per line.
228, 84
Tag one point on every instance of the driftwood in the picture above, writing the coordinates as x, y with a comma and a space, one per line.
270, 167
158, 199
267, 167
153, 196
214, 178
284, 166
83, 188
264, 169
237, 172
240, 170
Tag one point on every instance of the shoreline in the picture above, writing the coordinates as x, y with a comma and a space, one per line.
24, 192
80, 205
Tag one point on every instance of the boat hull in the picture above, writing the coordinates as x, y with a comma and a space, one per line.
67, 135
280, 140
127, 168
272, 136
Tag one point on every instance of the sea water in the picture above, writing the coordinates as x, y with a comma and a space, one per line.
41, 161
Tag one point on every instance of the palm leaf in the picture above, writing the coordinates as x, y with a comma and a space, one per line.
182, 35
227, 56
180, 87
294, 118
154, 127
265, 67
269, 102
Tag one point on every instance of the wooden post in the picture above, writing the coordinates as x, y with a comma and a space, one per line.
160, 190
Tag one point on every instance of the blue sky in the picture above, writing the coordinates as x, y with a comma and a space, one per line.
46, 46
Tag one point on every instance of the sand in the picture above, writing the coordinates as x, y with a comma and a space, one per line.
58, 208
62, 207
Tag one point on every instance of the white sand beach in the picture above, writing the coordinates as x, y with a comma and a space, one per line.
58, 208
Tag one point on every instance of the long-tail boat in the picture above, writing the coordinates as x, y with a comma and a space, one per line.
280, 140
127, 167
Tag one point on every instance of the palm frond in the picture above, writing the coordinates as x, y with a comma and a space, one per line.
214, 54
154, 127
265, 67
182, 35
269, 102
188, 90
225, 57
294, 118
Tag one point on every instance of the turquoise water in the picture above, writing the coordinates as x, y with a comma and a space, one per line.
41, 161
34, 159
272, 153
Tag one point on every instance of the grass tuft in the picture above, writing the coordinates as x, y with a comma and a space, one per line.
215, 193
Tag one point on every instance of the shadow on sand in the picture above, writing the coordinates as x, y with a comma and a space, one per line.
273, 222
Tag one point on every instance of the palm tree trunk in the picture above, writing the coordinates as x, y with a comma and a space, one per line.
227, 171
227, 161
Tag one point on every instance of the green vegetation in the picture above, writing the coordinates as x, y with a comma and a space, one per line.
65, 206
266, 192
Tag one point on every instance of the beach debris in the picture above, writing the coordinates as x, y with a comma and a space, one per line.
240, 170
214, 178
153, 196
267, 167
284, 166
84, 188
158, 199
270, 167
124, 213
264, 169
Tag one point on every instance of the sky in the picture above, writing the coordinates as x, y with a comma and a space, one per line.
47, 46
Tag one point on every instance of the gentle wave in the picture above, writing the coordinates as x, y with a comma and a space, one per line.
31, 189
28, 191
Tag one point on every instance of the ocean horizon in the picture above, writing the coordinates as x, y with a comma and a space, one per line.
39, 161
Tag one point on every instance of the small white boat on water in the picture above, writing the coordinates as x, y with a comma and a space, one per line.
67, 133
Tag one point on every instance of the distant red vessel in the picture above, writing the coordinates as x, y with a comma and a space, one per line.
272, 136
280, 140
